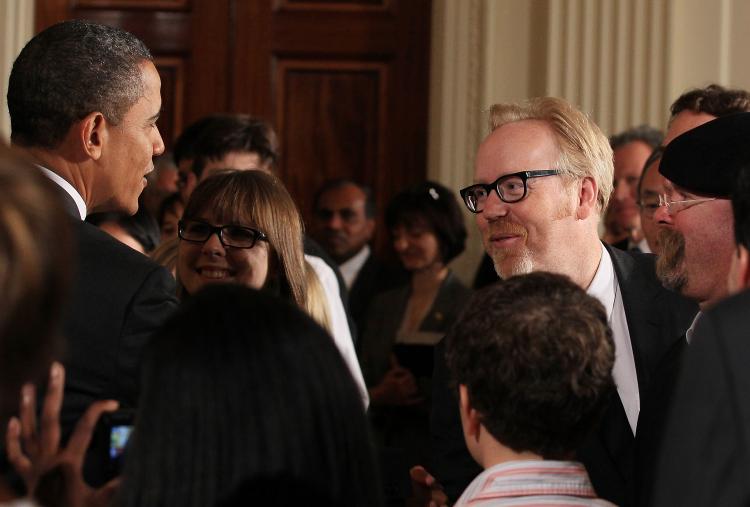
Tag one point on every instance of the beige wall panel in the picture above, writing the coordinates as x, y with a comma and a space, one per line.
16, 28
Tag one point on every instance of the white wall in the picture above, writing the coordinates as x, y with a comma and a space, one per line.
16, 28
622, 61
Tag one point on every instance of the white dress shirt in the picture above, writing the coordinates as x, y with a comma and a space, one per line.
70, 189
351, 268
341, 334
605, 288
642, 245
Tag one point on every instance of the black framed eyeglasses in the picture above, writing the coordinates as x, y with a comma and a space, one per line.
509, 187
235, 236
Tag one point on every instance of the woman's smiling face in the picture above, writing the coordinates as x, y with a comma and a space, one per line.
201, 263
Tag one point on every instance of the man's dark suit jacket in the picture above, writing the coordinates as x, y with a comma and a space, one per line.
119, 298
705, 454
656, 318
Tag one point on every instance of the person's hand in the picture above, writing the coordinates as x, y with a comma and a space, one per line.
398, 387
34, 450
426, 490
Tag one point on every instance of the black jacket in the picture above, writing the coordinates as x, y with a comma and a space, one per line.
656, 318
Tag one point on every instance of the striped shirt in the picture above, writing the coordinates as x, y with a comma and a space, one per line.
528, 483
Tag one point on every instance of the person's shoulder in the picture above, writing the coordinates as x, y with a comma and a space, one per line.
98, 251
736, 305
321, 268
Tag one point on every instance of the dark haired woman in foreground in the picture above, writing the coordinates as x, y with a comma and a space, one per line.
240, 384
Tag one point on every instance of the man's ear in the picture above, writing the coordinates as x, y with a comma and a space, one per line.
587, 198
93, 134
468, 414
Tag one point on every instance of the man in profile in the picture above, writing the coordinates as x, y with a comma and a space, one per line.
705, 458
697, 251
83, 101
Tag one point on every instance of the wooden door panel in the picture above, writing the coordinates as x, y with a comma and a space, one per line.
345, 82
333, 4
172, 73
330, 115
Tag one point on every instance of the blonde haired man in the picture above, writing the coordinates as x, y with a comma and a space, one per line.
543, 177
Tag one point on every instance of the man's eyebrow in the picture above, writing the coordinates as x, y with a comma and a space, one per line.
155, 116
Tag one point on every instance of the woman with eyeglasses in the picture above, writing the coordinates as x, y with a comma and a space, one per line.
404, 324
243, 227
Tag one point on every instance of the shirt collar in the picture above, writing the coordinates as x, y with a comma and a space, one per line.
643, 246
602, 287
70, 189
351, 267
691, 329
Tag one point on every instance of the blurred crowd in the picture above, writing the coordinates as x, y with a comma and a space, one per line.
173, 333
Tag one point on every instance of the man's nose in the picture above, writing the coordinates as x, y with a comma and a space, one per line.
158, 143
662, 216
622, 191
335, 222
494, 207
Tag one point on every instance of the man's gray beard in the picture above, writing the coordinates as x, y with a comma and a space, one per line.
522, 266
670, 262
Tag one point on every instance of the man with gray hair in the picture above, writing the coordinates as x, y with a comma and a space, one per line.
83, 100
630, 150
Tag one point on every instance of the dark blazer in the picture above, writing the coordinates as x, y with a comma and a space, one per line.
656, 318
652, 421
705, 453
119, 298
373, 278
386, 313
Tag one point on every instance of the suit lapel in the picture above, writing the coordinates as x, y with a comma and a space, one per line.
643, 313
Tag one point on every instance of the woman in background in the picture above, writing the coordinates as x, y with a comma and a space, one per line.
404, 324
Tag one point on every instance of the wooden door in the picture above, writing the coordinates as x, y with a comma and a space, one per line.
344, 82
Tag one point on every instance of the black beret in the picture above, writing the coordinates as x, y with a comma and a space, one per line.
706, 159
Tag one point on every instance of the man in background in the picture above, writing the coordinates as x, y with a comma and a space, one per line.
697, 248
700, 105
223, 141
705, 458
630, 150
344, 225
650, 187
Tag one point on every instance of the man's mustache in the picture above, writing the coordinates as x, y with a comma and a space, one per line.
669, 263
507, 227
